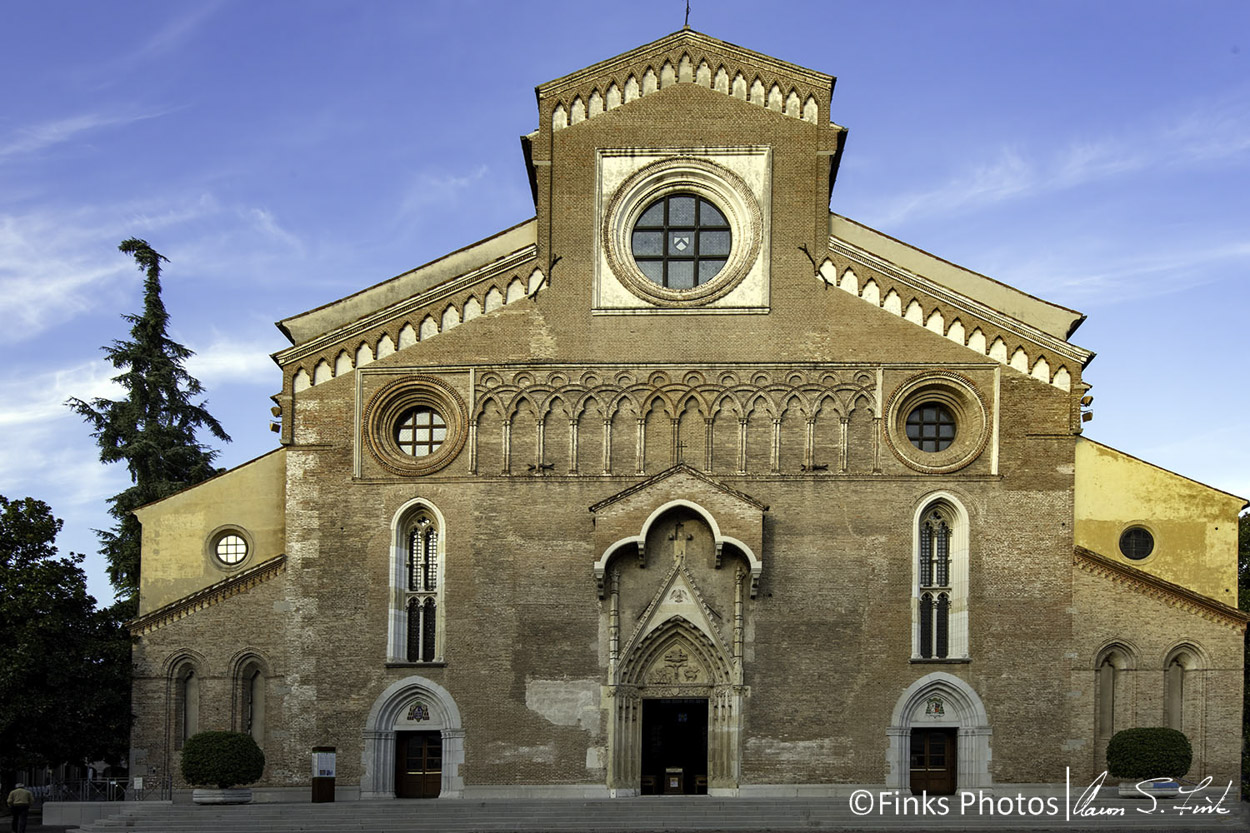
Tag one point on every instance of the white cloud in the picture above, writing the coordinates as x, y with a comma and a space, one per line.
262, 220
438, 189
228, 361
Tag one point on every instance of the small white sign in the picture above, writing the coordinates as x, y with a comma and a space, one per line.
323, 764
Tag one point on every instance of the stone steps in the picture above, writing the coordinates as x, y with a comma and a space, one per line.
617, 816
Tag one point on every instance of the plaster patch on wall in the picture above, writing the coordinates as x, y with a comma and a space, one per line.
565, 702
831, 750
595, 756
508, 753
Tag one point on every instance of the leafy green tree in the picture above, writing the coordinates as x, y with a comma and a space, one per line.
153, 429
65, 667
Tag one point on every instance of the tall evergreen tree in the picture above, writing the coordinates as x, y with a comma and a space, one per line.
153, 429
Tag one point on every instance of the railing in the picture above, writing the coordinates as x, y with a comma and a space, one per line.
106, 789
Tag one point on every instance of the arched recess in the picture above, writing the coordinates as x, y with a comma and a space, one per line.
940, 700
686, 647
250, 673
391, 708
1114, 695
755, 565
183, 672
1184, 696
675, 660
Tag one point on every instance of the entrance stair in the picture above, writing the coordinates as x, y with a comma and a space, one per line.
629, 815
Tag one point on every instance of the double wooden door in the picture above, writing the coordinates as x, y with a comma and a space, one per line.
419, 764
933, 761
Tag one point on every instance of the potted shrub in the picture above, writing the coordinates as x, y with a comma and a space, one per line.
221, 765
1155, 754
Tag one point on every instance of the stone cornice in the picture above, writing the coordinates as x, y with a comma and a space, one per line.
686, 38
1157, 588
348, 332
680, 468
963, 303
207, 597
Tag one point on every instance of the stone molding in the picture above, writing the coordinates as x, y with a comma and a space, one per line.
1165, 591
951, 314
207, 597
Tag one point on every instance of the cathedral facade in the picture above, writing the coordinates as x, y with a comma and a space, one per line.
687, 485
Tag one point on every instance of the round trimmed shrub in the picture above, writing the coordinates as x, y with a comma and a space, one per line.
1154, 752
222, 760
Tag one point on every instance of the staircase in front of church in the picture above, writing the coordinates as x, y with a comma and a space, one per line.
677, 813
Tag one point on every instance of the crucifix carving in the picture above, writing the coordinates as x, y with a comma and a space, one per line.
679, 540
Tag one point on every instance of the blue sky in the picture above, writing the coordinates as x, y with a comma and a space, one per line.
283, 154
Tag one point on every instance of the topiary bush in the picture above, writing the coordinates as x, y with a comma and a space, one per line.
1154, 752
222, 760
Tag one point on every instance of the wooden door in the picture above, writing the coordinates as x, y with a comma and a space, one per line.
933, 761
419, 764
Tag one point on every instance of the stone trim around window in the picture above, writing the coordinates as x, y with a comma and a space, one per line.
387, 407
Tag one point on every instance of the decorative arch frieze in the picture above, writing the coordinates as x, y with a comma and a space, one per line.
1054, 365
645, 421
799, 100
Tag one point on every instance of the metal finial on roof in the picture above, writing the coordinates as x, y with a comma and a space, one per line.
687, 23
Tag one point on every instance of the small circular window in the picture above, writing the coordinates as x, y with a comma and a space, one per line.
1137, 543
228, 547
420, 431
931, 427
681, 241
231, 549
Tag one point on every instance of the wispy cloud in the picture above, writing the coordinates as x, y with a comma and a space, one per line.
34, 399
55, 265
263, 221
38, 137
429, 189
1214, 130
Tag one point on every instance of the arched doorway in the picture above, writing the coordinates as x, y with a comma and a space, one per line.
413, 743
939, 737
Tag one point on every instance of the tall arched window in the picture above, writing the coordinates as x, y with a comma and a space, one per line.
1174, 695
416, 632
251, 688
1184, 691
940, 611
186, 703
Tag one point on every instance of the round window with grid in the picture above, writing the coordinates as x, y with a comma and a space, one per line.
420, 431
931, 427
1137, 543
231, 549
681, 241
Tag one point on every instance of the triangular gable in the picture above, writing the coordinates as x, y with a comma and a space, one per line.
690, 57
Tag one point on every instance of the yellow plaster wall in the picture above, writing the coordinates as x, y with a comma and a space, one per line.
1194, 526
176, 561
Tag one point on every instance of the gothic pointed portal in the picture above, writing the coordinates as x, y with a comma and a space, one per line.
676, 623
